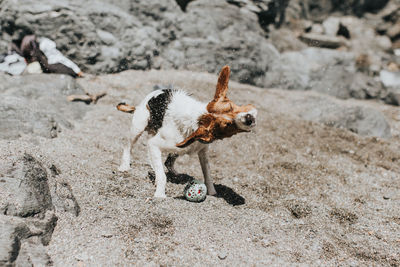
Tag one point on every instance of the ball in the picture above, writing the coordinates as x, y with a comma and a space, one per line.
195, 191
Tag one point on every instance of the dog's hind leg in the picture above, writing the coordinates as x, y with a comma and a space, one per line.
169, 163
157, 165
205, 167
139, 122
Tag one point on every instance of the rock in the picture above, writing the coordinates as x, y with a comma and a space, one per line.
21, 243
394, 31
323, 70
12, 64
358, 119
390, 78
317, 28
364, 38
284, 40
106, 37
37, 104
319, 40
63, 198
393, 96
364, 86
33, 254
12, 231
27, 219
331, 26
25, 191
225, 35
222, 255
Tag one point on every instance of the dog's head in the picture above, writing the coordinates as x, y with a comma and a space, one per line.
224, 118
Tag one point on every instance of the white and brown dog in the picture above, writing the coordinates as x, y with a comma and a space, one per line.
170, 116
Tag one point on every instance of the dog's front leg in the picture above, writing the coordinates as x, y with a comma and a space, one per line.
205, 167
157, 165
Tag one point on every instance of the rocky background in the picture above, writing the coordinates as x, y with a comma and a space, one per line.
316, 184
265, 42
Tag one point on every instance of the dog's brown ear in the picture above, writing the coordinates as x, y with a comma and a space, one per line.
203, 133
222, 85
221, 103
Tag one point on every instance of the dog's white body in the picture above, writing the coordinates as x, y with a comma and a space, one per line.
179, 124
180, 120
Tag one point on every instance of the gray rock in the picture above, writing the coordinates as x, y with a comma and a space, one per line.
106, 37
358, 119
390, 78
225, 35
36, 104
320, 40
12, 231
22, 241
63, 198
331, 26
27, 219
365, 87
25, 190
323, 70
393, 96
33, 254
284, 40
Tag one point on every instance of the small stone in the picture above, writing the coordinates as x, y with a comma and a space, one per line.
107, 235
222, 255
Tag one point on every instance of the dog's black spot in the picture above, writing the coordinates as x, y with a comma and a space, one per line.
158, 106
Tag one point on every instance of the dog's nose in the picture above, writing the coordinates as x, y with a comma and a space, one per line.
249, 119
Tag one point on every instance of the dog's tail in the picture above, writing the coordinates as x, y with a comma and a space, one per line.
125, 108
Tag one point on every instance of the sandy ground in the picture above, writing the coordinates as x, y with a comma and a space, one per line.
291, 193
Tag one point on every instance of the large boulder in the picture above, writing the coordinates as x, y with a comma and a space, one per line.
36, 104
233, 36
12, 231
362, 120
323, 70
27, 219
25, 190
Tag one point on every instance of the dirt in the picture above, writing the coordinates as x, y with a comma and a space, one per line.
292, 192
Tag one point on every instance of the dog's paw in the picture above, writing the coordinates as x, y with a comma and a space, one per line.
124, 168
211, 191
159, 195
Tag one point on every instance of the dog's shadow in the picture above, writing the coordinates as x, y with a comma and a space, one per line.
223, 191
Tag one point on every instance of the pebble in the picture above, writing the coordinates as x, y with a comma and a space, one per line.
222, 255
107, 235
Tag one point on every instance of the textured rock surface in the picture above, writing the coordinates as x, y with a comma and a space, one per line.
203, 35
103, 36
358, 119
12, 231
322, 70
28, 218
25, 190
35, 104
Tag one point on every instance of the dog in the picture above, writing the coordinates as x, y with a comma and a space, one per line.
179, 124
